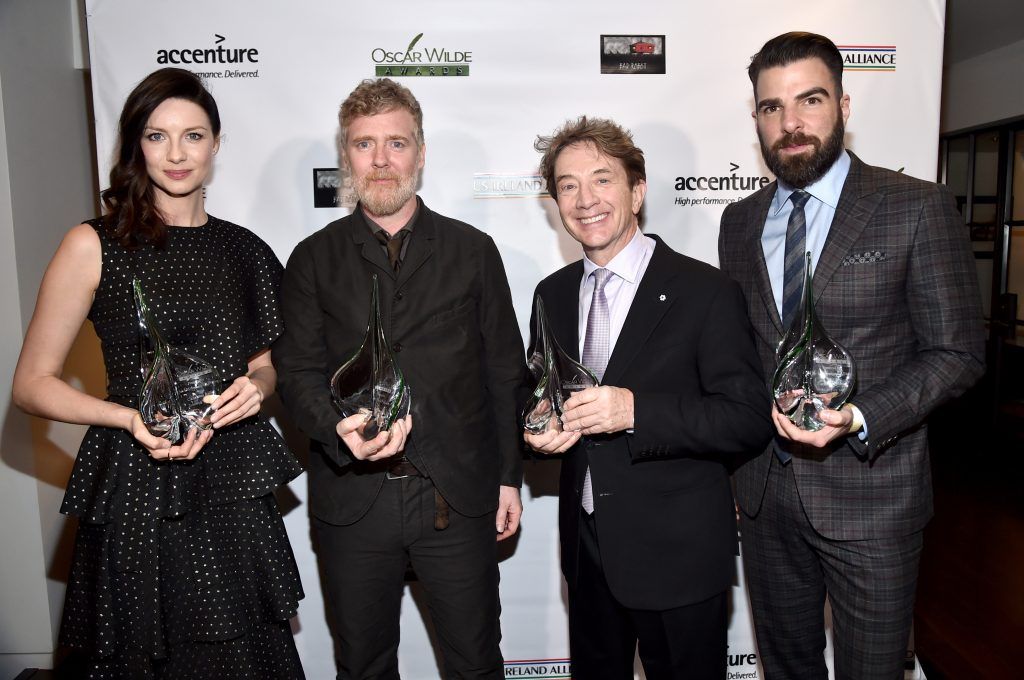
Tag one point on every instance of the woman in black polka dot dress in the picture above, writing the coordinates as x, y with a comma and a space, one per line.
182, 568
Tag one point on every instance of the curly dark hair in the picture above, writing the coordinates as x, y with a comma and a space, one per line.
130, 213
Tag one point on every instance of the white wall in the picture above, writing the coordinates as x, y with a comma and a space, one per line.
984, 89
46, 186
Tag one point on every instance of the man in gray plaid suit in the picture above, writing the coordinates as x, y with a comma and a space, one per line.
840, 512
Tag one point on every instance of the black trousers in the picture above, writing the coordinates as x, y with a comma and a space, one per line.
686, 642
364, 565
790, 568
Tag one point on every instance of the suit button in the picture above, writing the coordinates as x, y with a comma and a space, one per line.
397, 347
399, 295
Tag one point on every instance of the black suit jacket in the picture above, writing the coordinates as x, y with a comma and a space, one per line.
896, 285
449, 318
665, 514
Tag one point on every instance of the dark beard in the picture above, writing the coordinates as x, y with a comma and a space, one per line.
799, 171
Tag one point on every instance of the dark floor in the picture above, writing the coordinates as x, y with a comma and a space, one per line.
969, 619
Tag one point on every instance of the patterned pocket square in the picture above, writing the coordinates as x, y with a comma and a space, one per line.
864, 258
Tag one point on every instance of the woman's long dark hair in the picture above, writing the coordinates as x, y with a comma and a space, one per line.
130, 212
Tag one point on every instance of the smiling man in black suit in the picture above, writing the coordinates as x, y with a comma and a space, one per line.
646, 514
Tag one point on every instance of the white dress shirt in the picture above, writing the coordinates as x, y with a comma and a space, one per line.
628, 266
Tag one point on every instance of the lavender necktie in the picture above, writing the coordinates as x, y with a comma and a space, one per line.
597, 347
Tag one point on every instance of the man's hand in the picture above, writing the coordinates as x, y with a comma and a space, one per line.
510, 510
384, 445
837, 424
598, 410
552, 440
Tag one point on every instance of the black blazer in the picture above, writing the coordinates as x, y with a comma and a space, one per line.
664, 507
449, 317
896, 285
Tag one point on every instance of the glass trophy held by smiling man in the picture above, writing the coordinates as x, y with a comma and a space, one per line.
558, 377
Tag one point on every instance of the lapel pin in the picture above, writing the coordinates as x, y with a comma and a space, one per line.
661, 298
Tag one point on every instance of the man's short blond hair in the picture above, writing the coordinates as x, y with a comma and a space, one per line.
382, 95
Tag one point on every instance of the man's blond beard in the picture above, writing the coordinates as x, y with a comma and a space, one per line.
385, 201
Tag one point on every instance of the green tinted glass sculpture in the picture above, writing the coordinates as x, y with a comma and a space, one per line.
814, 372
558, 376
371, 382
178, 388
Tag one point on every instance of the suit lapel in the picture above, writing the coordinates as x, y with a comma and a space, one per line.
857, 203
762, 281
563, 311
419, 251
653, 298
421, 247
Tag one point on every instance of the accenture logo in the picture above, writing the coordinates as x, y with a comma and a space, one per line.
868, 57
732, 182
209, 55
741, 666
216, 55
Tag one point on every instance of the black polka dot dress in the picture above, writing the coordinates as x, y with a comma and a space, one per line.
182, 569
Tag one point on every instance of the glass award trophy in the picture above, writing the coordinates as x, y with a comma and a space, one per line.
558, 377
371, 382
814, 371
178, 388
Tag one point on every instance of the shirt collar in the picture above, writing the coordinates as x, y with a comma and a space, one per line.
374, 227
826, 188
626, 263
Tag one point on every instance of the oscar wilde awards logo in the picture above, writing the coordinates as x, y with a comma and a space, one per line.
632, 54
717, 189
420, 60
868, 57
203, 60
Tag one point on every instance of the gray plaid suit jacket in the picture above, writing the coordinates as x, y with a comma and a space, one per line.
897, 286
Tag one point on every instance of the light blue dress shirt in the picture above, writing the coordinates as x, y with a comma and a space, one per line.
819, 211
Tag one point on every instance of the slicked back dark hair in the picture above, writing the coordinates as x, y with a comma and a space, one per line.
129, 206
794, 46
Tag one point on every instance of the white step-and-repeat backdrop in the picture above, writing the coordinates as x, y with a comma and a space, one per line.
490, 77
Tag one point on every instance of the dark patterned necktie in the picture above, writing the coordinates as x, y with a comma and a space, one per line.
394, 246
597, 347
796, 248
793, 278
